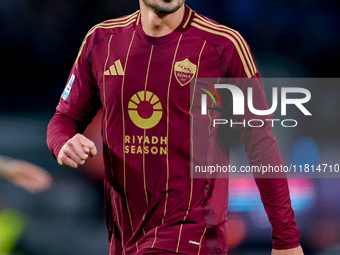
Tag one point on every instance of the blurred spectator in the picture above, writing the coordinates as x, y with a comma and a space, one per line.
12, 227
25, 175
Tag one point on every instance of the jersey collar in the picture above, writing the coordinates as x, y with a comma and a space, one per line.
185, 24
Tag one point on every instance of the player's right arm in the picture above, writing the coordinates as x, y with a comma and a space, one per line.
77, 106
66, 143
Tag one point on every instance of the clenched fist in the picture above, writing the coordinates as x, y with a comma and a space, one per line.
76, 150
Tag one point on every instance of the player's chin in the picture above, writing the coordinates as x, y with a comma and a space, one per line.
167, 10
168, 6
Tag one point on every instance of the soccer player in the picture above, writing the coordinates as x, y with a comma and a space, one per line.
138, 68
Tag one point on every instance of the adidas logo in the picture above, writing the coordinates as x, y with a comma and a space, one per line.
115, 69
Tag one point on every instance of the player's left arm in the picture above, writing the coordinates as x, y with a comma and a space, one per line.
261, 149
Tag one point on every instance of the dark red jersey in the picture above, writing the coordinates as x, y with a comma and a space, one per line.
142, 83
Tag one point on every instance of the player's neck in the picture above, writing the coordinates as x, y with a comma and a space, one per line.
156, 25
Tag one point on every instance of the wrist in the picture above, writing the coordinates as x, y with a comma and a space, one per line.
286, 246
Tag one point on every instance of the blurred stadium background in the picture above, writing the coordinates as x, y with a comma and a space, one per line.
39, 40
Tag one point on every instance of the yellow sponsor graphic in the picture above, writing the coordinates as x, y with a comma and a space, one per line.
145, 109
184, 71
146, 145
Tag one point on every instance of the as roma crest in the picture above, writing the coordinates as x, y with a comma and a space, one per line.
184, 71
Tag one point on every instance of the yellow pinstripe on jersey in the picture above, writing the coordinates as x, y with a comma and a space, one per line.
191, 165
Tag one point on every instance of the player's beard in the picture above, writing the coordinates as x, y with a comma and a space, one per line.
164, 6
